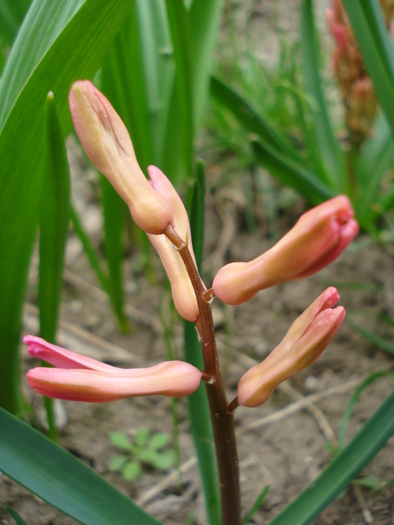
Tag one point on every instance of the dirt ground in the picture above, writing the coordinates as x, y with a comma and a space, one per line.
282, 444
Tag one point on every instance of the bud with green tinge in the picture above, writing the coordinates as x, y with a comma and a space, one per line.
107, 143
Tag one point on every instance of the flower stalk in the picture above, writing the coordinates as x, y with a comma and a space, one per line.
222, 419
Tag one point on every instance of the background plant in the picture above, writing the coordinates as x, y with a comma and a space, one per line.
317, 164
145, 448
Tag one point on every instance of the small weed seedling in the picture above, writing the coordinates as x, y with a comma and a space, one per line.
144, 449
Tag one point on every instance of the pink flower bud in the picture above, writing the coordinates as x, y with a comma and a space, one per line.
107, 143
317, 238
306, 339
80, 378
182, 290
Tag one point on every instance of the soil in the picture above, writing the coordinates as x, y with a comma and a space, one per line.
282, 444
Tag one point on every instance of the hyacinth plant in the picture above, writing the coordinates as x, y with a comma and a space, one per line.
317, 239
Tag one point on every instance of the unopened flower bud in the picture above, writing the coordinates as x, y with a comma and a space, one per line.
107, 143
80, 378
182, 290
317, 238
306, 339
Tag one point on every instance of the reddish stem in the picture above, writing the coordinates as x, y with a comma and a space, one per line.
222, 419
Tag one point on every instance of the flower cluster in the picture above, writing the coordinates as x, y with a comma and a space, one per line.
357, 89
318, 237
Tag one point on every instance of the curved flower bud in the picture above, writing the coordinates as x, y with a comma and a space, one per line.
81, 378
317, 238
107, 143
306, 339
182, 290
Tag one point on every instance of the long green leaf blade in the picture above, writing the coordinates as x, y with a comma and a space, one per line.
204, 19
156, 52
197, 211
15, 515
90, 251
259, 501
114, 221
328, 147
371, 34
12, 13
60, 41
54, 223
291, 173
124, 82
179, 131
340, 472
377, 340
353, 400
249, 117
58, 477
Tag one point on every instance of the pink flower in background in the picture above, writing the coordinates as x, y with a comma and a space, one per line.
80, 378
107, 143
306, 339
318, 237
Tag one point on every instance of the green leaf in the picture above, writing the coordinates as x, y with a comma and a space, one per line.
15, 515
371, 34
291, 173
159, 440
54, 223
12, 13
162, 460
256, 505
329, 150
381, 342
375, 158
370, 482
387, 201
114, 210
58, 477
204, 16
146, 454
59, 42
249, 117
179, 130
340, 472
120, 440
90, 251
141, 436
117, 462
132, 470
349, 409
197, 207
124, 80
137, 77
